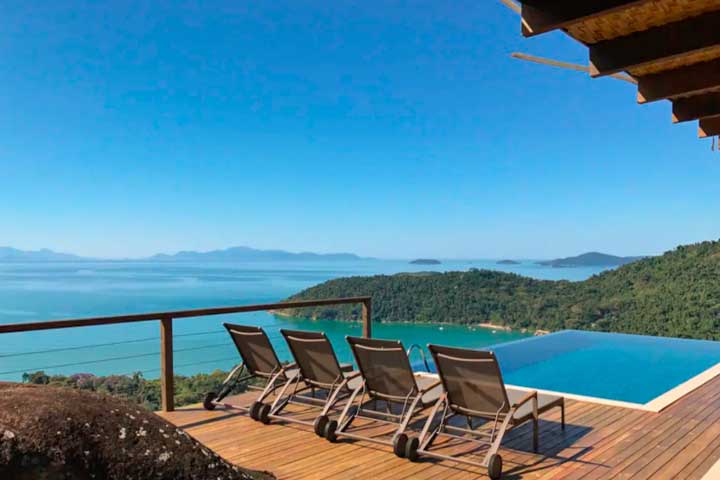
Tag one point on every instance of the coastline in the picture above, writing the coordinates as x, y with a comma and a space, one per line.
472, 326
493, 326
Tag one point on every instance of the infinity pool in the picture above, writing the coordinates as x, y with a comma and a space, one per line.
626, 368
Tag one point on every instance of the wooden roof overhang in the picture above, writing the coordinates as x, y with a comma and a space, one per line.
671, 47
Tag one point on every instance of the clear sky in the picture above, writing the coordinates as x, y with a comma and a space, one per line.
385, 128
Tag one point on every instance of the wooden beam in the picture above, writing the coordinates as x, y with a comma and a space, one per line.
540, 16
685, 81
667, 42
367, 318
167, 375
709, 127
695, 108
200, 312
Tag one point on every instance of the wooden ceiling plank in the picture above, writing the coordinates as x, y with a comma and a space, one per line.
660, 43
709, 127
696, 108
685, 81
540, 16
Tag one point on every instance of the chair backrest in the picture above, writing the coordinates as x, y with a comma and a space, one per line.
255, 349
472, 380
314, 356
385, 367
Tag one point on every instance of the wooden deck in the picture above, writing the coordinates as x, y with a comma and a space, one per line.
600, 442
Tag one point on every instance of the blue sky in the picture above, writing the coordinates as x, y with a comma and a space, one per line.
391, 129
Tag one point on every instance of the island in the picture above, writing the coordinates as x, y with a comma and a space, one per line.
426, 261
249, 254
590, 259
508, 262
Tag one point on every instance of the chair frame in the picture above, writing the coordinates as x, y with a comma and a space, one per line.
502, 422
302, 382
273, 380
412, 404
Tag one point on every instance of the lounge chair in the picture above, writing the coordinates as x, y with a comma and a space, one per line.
387, 377
260, 364
474, 388
319, 373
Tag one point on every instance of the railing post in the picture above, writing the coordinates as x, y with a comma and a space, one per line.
367, 318
167, 377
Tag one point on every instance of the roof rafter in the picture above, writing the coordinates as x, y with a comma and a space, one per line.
670, 48
540, 16
663, 43
709, 127
685, 81
696, 108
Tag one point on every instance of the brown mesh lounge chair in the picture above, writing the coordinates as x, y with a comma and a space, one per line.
321, 379
474, 388
387, 378
259, 362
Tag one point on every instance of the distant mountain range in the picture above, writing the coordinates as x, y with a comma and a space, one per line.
247, 254
590, 259
233, 254
9, 254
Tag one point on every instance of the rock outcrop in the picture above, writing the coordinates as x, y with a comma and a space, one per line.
62, 434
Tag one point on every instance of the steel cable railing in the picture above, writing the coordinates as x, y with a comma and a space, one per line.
109, 359
166, 320
108, 344
185, 365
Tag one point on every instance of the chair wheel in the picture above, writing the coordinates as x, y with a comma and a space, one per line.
319, 425
254, 408
411, 448
399, 444
330, 429
495, 466
264, 413
207, 403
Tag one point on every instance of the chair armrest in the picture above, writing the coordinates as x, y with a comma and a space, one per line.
430, 387
288, 366
351, 375
530, 395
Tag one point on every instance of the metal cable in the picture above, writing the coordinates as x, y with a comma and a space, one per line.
109, 344
186, 365
110, 359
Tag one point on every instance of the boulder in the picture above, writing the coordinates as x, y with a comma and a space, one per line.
53, 433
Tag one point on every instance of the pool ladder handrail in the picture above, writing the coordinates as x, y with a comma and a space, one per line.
417, 347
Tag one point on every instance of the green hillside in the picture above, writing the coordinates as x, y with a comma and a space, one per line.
675, 294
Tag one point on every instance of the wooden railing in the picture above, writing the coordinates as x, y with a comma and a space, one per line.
166, 329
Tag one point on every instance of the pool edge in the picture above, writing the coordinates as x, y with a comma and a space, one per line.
664, 400
656, 405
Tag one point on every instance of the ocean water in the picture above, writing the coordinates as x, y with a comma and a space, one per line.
55, 291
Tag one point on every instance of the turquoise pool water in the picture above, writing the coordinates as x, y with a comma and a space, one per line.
629, 368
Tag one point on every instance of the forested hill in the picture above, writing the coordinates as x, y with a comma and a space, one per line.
675, 294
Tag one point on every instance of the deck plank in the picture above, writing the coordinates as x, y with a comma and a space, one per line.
600, 442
